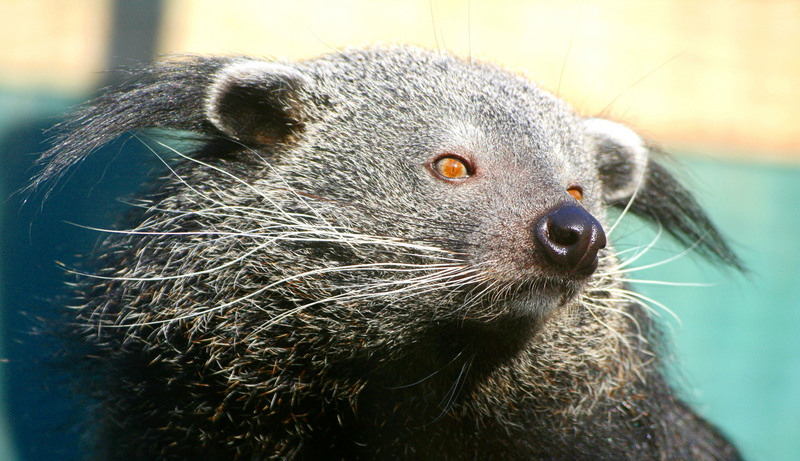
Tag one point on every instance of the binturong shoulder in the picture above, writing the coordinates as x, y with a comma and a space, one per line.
379, 253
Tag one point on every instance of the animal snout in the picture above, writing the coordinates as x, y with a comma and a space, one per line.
570, 238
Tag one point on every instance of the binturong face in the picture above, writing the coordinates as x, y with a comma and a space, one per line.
435, 192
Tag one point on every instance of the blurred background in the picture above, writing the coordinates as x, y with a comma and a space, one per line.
716, 82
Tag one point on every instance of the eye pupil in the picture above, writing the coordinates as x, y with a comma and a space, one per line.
451, 168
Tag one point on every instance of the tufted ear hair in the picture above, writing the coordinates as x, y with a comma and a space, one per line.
250, 102
633, 178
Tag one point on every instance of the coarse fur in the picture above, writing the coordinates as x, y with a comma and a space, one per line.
303, 285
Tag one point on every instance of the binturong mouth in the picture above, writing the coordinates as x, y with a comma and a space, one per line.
532, 269
508, 317
542, 297
566, 247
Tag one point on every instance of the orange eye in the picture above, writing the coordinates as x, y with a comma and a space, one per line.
452, 168
576, 192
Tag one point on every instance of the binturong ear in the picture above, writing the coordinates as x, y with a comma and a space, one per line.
254, 103
633, 179
257, 103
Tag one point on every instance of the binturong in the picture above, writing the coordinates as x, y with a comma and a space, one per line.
376, 254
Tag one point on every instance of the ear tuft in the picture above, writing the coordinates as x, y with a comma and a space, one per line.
633, 178
257, 103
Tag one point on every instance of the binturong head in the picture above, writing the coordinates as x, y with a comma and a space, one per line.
394, 183
440, 188
360, 213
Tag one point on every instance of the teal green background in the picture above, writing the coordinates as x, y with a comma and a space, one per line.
738, 345
7, 450
737, 350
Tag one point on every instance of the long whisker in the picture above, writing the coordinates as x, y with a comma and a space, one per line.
661, 282
404, 386
449, 399
680, 255
645, 301
644, 250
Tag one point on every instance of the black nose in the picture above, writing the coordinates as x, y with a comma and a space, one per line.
571, 238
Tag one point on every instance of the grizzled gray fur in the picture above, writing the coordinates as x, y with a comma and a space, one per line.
386, 253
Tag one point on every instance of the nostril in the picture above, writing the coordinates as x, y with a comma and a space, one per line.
571, 238
563, 235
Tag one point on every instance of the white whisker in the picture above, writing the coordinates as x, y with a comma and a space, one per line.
661, 282
645, 301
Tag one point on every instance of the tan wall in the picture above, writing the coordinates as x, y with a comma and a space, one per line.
714, 75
